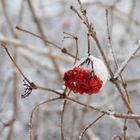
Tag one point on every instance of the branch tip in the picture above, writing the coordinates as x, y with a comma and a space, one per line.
71, 7
3, 45
17, 28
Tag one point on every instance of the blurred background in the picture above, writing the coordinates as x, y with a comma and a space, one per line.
45, 64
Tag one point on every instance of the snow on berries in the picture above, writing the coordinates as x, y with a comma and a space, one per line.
87, 76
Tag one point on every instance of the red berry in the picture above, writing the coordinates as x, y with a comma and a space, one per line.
80, 81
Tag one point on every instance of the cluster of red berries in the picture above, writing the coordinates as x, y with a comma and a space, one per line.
81, 81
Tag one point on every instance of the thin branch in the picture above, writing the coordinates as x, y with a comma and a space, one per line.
127, 60
7, 51
125, 129
116, 9
76, 12
109, 39
84, 111
76, 56
38, 23
114, 58
81, 135
48, 89
84, 12
30, 85
15, 108
40, 51
89, 51
106, 112
76, 43
33, 111
62, 114
8, 21
62, 120
47, 41
42, 33
21, 11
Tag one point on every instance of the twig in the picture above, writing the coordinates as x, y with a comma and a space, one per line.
41, 31
10, 123
30, 84
114, 58
76, 43
84, 12
62, 120
25, 46
73, 124
62, 114
4, 46
125, 129
81, 135
21, 11
106, 112
33, 111
89, 51
47, 41
15, 79
38, 23
83, 114
49, 89
110, 40
77, 13
8, 21
127, 60
114, 9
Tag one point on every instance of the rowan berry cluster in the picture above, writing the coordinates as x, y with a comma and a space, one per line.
81, 80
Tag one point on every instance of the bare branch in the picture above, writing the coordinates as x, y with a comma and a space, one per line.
81, 135
33, 111
127, 60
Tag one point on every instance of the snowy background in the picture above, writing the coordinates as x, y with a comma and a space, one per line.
45, 65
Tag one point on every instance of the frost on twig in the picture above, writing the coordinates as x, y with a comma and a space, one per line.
125, 63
